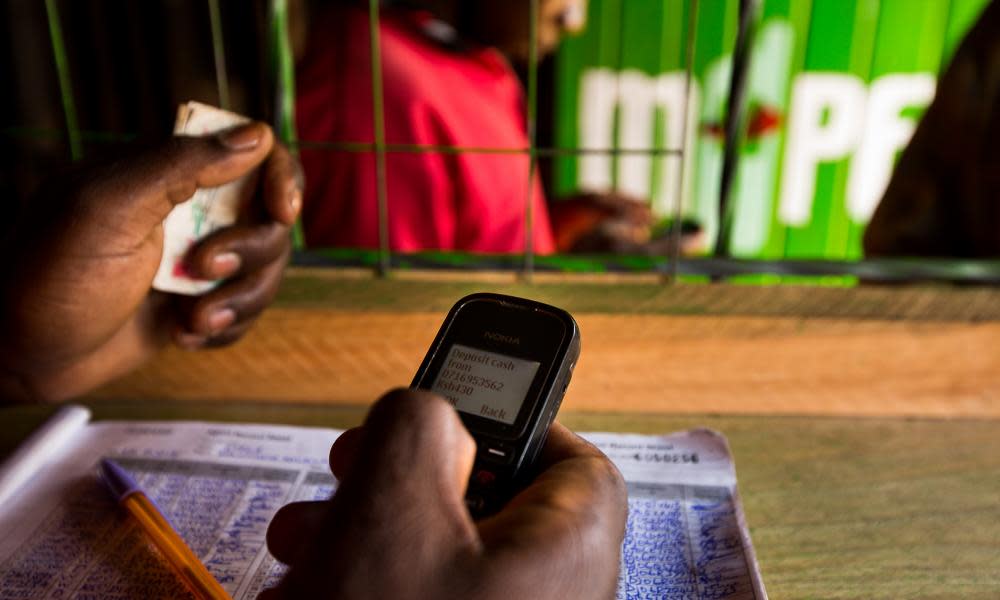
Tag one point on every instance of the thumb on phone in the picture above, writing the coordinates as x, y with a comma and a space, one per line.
404, 490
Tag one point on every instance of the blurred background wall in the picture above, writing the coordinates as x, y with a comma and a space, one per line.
836, 88
128, 65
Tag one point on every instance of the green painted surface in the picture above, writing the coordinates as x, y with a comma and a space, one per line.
836, 28
889, 50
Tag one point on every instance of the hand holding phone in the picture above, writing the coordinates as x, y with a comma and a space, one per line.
398, 512
504, 363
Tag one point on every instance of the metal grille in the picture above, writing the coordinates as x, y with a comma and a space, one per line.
281, 82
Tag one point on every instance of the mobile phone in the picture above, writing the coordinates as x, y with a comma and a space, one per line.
504, 363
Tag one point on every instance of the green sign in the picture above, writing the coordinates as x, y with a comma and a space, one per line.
835, 87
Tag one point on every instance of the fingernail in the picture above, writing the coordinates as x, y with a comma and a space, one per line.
221, 319
225, 264
189, 341
295, 202
242, 138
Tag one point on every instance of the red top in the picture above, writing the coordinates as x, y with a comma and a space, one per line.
434, 95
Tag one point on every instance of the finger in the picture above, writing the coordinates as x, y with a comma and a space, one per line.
414, 443
569, 468
641, 214
575, 509
283, 185
626, 207
234, 302
211, 161
632, 210
410, 472
562, 444
344, 452
271, 594
290, 525
159, 178
402, 497
238, 249
195, 341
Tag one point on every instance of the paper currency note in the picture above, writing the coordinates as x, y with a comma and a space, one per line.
208, 210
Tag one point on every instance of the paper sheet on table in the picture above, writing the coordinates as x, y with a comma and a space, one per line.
61, 535
686, 536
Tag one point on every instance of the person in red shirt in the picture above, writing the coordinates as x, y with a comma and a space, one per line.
446, 84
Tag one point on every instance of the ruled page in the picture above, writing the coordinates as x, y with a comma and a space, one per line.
220, 485
686, 537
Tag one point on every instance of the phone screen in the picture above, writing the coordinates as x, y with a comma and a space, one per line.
485, 384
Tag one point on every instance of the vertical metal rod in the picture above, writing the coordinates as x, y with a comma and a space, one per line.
617, 115
219, 54
675, 227
532, 129
283, 75
65, 82
735, 123
378, 119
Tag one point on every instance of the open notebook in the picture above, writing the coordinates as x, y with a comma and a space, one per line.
62, 536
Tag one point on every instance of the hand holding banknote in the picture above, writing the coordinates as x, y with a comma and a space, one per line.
77, 305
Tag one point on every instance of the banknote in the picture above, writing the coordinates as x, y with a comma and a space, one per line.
207, 211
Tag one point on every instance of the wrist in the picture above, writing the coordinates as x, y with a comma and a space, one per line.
13, 384
20, 383
19, 372
14, 389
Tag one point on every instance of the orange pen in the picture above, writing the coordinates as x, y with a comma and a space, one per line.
181, 559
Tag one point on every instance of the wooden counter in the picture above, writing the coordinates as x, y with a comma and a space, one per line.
336, 337
865, 422
837, 507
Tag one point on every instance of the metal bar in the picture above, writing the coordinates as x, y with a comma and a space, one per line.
538, 151
735, 123
293, 144
283, 76
984, 272
65, 81
619, 67
529, 216
675, 227
89, 136
219, 54
378, 122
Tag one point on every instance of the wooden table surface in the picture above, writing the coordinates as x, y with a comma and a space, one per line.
865, 422
341, 338
837, 507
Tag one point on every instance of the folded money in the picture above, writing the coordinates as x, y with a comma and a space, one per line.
207, 211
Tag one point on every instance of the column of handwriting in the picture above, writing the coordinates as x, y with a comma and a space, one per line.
221, 510
127, 566
683, 542
243, 542
656, 559
130, 567
314, 486
191, 500
61, 549
87, 549
717, 547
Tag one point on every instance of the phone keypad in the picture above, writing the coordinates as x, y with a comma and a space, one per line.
484, 478
496, 452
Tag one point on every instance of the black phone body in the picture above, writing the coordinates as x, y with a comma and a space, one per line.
504, 363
